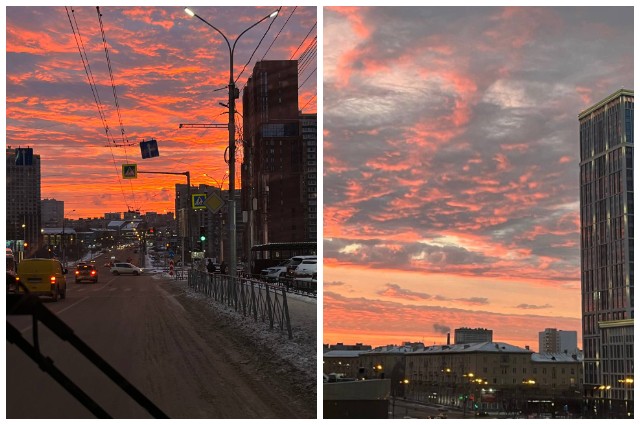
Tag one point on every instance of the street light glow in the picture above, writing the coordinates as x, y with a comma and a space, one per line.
189, 12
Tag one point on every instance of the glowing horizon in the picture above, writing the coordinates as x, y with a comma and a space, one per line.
168, 68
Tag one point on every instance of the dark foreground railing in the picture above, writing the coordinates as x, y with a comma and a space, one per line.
264, 302
30, 305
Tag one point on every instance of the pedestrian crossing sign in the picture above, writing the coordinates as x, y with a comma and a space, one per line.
197, 201
129, 171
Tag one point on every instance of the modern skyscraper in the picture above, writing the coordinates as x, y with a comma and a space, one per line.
606, 228
23, 199
273, 168
553, 341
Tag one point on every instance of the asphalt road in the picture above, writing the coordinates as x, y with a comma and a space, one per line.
185, 359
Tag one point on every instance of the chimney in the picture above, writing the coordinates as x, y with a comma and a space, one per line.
448, 338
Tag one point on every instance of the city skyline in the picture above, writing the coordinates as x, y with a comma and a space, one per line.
168, 68
451, 166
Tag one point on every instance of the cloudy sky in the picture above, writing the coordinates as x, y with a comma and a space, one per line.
168, 69
451, 166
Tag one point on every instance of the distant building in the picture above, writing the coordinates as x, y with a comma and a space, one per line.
555, 341
23, 202
52, 212
113, 216
469, 336
606, 234
494, 377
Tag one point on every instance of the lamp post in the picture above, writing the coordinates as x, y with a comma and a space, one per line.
233, 94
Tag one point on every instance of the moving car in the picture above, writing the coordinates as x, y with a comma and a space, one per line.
86, 271
43, 276
125, 268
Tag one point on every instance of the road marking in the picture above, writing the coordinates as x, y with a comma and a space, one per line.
57, 313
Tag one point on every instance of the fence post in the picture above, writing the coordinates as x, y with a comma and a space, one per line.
285, 308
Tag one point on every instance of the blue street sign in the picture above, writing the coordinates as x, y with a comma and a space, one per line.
198, 201
149, 149
171, 254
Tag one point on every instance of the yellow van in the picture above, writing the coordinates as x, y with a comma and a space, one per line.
43, 276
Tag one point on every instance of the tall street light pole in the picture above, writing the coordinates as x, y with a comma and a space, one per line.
233, 95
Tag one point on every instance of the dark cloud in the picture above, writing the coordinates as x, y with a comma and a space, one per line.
470, 131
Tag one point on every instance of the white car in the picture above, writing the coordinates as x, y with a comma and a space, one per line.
273, 274
306, 268
125, 268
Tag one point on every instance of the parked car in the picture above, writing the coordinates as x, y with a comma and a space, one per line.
294, 261
86, 271
273, 274
126, 268
306, 268
43, 276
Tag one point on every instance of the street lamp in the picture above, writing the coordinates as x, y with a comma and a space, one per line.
233, 94
219, 183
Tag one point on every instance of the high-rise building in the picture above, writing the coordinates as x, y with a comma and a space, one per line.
606, 230
309, 130
554, 341
52, 212
23, 200
469, 336
273, 165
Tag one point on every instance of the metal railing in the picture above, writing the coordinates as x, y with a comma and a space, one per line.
264, 302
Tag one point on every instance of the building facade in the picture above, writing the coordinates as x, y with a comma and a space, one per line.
23, 207
555, 341
52, 212
309, 134
470, 336
606, 229
273, 162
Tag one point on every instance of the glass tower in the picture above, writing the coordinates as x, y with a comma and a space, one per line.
606, 228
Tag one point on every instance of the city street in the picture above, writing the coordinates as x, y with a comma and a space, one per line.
187, 359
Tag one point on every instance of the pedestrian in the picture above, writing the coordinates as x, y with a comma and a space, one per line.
211, 268
223, 267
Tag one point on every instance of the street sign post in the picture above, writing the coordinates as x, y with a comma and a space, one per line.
197, 201
129, 171
214, 202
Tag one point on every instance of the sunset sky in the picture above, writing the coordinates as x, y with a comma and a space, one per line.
168, 69
451, 166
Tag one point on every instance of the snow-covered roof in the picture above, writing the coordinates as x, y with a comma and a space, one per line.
58, 231
116, 223
485, 347
343, 353
391, 349
556, 357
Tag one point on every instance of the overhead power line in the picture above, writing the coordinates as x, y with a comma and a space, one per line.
305, 39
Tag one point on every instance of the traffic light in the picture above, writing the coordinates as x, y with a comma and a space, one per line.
203, 233
152, 230
26, 244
